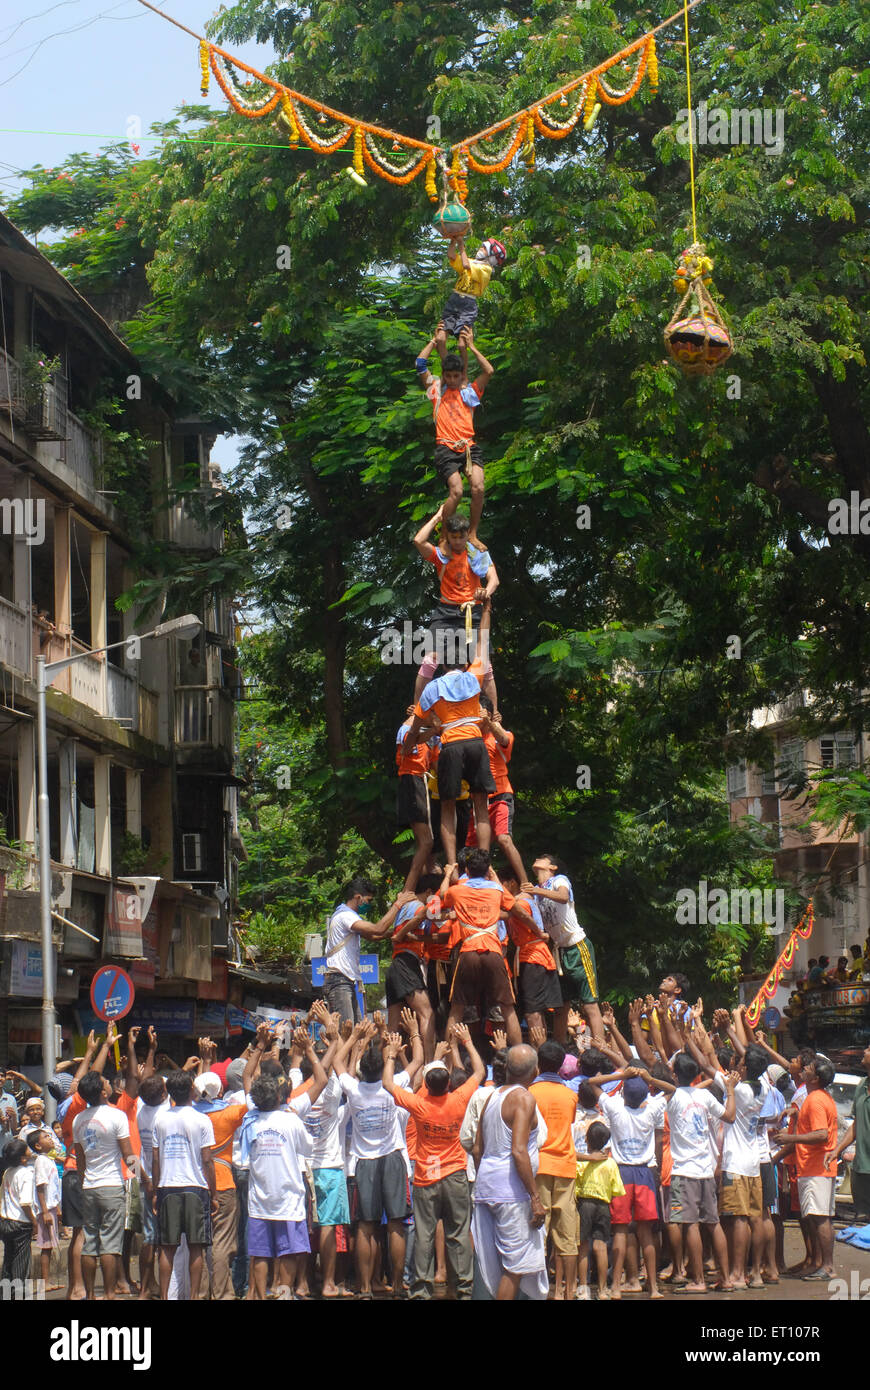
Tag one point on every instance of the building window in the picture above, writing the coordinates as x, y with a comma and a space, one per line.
768, 781
792, 767
736, 779
837, 750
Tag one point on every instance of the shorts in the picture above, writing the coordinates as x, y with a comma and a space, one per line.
103, 1213
446, 640
501, 817
666, 1204
562, 1222
816, 1196
740, 1195
72, 1207
184, 1211
150, 1231
481, 979
271, 1240
579, 980
381, 1188
538, 988
693, 1200
330, 1192
459, 312
594, 1219
133, 1206
449, 461
412, 800
860, 1184
465, 759
639, 1202
46, 1231
404, 977
769, 1188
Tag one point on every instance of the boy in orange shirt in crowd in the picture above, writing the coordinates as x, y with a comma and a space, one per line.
454, 401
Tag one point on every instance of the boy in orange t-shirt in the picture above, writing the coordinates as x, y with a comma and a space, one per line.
453, 404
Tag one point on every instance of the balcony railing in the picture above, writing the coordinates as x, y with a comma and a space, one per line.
186, 531
41, 411
15, 641
83, 452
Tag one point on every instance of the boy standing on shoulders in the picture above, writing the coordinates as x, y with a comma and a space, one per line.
454, 401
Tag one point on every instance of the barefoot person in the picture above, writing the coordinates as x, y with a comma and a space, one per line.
454, 402
510, 1250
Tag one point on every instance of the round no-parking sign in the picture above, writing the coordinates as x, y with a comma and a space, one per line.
112, 992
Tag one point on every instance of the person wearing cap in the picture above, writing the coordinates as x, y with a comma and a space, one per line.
440, 1188
34, 1119
225, 1119
472, 281
578, 976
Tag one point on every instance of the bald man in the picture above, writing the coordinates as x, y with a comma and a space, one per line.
508, 1222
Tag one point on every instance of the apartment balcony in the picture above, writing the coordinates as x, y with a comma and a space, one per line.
186, 531
42, 412
94, 682
83, 452
204, 718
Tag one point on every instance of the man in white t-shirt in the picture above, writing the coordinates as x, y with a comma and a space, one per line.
101, 1134
740, 1190
346, 928
276, 1144
183, 1180
151, 1101
378, 1150
693, 1185
575, 957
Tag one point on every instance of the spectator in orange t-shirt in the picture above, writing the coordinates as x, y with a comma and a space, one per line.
814, 1142
557, 1165
441, 1191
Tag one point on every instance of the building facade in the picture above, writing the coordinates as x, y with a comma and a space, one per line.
141, 740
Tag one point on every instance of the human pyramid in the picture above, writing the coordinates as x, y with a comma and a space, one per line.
524, 1157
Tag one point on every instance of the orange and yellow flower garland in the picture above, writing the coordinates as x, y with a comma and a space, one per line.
472, 153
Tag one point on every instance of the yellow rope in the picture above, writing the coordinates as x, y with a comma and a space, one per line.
691, 123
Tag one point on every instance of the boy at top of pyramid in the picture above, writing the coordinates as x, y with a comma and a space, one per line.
466, 578
454, 401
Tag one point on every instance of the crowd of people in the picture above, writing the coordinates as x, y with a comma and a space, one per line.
426, 1154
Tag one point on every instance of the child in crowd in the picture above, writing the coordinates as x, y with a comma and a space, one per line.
598, 1182
46, 1190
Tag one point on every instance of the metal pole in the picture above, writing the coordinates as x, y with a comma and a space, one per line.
48, 1014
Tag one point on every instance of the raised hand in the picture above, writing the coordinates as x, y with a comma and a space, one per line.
392, 1045
380, 1023
409, 1022
330, 1027
575, 1018
499, 1039
537, 1036
607, 1014
721, 1019
635, 1009
462, 1033
442, 1050
152, 1038
698, 1010
301, 1039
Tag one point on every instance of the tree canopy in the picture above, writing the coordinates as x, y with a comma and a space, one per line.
708, 499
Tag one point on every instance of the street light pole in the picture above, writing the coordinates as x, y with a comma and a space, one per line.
48, 1015
186, 626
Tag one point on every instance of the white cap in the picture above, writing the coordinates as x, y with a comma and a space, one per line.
434, 1066
208, 1085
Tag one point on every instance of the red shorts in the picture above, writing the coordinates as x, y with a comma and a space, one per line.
639, 1202
501, 818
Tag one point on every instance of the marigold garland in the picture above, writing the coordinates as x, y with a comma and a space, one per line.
591, 88
203, 67
652, 64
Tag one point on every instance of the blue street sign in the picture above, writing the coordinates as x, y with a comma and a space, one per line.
112, 993
369, 969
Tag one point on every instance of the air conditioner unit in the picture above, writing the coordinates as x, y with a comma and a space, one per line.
191, 852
